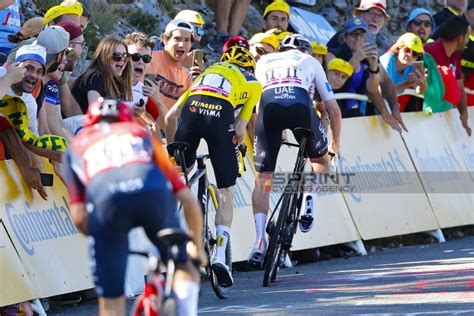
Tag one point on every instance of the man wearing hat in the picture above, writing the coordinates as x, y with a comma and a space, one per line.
421, 23
451, 8
276, 16
62, 12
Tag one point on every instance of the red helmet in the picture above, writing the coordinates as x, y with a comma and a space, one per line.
108, 108
236, 41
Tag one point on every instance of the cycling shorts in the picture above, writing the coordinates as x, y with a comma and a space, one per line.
118, 202
285, 110
211, 119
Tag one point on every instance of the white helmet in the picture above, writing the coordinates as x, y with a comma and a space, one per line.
296, 41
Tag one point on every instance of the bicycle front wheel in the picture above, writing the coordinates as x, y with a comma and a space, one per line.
273, 256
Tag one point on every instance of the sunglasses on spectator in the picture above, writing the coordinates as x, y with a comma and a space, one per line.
261, 50
412, 52
119, 56
136, 57
418, 22
199, 31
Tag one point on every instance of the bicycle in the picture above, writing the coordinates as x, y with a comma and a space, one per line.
157, 298
282, 231
208, 197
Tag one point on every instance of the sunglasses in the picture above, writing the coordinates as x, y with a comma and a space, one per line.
136, 57
260, 50
199, 31
418, 22
119, 56
412, 52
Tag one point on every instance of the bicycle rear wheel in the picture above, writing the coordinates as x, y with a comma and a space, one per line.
273, 255
210, 234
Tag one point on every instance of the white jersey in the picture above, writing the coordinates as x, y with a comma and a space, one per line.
293, 68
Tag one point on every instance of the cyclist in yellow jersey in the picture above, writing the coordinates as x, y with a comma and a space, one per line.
206, 111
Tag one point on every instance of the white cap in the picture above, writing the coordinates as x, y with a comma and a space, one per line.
179, 24
31, 52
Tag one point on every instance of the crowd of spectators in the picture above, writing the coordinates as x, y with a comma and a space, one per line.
429, 68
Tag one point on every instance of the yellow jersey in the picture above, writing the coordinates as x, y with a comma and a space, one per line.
230, 83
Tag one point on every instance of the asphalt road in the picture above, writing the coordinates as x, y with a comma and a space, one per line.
419, 280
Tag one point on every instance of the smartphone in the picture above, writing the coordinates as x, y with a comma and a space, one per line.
198, 56
149, 77
370, 39
418, 66
46, 179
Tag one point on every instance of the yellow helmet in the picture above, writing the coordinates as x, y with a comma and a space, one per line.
190, 16
319, 48
411, 41
340, 65
239, 56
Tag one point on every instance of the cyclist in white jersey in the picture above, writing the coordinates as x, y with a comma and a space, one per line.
290, 79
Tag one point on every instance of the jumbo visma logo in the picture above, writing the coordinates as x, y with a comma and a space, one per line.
33, 226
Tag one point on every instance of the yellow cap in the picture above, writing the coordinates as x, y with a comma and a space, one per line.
278, 33
265, 38
340, 65
319, 48
277, 5
62, 9
411, 41
190, 16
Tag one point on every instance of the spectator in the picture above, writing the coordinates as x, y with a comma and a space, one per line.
467, 61
453, 36
196, 20
11, 22
398, 63
338, 72
451, 8
421, 23
140, 49
64, 13
263, 43
171, 77
109, 74
364, 80
374, 13
276, 16
84, 19
319, 51
228, 24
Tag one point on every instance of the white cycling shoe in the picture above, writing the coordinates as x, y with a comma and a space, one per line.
307, 219
222, 271
258, 254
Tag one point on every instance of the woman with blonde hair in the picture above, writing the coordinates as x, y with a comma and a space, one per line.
109, 74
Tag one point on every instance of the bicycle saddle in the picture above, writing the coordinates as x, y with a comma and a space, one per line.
301, 132
172, 236
174, 146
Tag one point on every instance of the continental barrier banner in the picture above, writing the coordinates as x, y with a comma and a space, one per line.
388, 198
50, 248
443, 156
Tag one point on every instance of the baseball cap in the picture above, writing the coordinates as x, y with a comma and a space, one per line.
74, 30
411, 41
340, 65
31, 52
61, 9
319, 48
179, 24
277, 5
416, 12
353, 25
29, 29
54, 38
369, 4
266, 38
